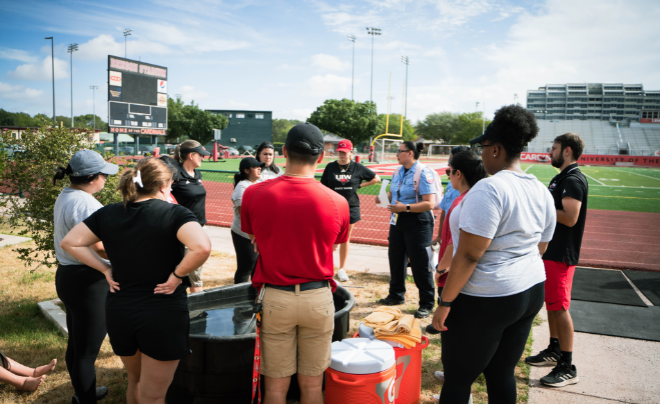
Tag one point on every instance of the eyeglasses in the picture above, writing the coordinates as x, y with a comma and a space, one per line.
481, 147
448, 171
402, 151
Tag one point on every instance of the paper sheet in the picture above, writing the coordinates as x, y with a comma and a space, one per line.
434, 258
384, 200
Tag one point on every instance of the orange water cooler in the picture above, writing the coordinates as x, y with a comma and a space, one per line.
362, 371
408, 385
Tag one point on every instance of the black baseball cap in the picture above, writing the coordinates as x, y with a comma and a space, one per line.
305, 138
489, 134
199, 149
249, 162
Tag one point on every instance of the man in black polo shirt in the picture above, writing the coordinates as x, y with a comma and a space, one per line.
570, 191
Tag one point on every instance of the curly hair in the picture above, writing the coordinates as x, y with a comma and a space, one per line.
515, 127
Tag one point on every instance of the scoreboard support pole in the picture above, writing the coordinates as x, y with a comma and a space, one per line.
154, 140
116, 144
137, 145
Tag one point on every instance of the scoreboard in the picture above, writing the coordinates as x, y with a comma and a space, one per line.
137, 97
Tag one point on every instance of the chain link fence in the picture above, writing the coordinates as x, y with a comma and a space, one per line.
373, 229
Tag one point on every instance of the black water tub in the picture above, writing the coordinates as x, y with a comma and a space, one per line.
222, 343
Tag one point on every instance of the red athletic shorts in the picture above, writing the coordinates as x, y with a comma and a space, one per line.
558, 284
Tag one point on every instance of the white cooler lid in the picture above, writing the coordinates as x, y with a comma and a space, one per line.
361, 356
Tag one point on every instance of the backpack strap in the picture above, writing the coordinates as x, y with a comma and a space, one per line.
416, 178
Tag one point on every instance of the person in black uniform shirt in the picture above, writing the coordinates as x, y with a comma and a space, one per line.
189, 191
147, 308
345, 177
570, 191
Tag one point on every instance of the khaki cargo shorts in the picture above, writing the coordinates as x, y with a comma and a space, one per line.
195, 276
296, 332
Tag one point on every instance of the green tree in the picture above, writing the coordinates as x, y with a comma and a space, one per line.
438, 126
470, 125
29, 196
191, 121
352, 120
7, 118
25, 120
281, 127
63, 121
394, 126
85, 121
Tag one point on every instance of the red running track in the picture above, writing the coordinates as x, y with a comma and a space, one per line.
612, 239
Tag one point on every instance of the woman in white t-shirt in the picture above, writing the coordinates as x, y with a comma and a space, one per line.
495, 286
246, 258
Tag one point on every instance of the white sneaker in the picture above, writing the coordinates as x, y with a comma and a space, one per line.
436, 398
341, 275
440, 375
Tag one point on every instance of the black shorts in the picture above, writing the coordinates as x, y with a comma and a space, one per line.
159, 334
355, 214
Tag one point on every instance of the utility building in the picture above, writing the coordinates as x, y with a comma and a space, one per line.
617, 103
246, 128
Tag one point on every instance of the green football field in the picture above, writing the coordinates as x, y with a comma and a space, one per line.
613, 188
610, 188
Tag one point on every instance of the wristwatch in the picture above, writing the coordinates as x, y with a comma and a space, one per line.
444, 304
407, 208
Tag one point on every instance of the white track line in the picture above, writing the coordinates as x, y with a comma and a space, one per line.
605, 185
632, 172
530, 166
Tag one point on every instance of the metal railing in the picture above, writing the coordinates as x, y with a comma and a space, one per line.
373, 229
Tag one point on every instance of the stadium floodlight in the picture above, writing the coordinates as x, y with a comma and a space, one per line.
406, 61
373, 32
127, 32
515, 97
352, 39
72, 48
94, 104
52, 59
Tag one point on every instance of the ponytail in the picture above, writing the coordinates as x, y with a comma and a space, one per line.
415, 148
238, 177
181, 150
60, 172
472, 167
148, 177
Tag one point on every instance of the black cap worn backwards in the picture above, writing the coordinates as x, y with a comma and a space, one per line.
304, 138
249, 162
489, 134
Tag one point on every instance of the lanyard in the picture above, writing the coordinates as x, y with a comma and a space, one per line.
256, 376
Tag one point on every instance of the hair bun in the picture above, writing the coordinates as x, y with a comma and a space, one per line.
420, 146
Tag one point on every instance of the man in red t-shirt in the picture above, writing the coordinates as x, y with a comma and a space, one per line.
295, 223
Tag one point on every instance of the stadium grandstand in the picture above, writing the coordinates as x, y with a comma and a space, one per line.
611, 118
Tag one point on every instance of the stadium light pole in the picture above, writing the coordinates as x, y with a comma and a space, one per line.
372, 31
406, 61
94, 104
476, 107
352, 39
72, 48
127, 32
515, 97
52, 59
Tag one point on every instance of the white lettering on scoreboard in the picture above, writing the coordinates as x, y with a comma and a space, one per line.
138, 68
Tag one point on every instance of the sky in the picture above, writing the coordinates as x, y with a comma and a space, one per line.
290, 56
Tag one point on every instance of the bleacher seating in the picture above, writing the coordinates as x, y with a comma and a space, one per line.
600, 137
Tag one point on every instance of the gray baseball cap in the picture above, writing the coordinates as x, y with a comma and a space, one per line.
88, 162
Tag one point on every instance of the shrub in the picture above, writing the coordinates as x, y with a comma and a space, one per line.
28, 194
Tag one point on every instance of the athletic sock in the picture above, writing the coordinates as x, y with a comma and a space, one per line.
554, 345
567, 357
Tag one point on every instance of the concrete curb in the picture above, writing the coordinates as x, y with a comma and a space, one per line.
8, 239
54, 313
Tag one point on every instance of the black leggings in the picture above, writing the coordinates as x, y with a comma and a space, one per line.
246, 258
83, 290
487, 335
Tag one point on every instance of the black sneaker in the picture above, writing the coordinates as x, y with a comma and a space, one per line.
390, 302
562, 375
431, 330
422, 313
546, 357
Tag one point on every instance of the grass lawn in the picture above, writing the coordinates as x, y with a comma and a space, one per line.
631, 189
27, 337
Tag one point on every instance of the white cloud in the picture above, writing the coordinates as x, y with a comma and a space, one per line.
189, 93
239, 104
17, 54
19, 93
103, 45
327, 85
329, 62
41, 71
300, 114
